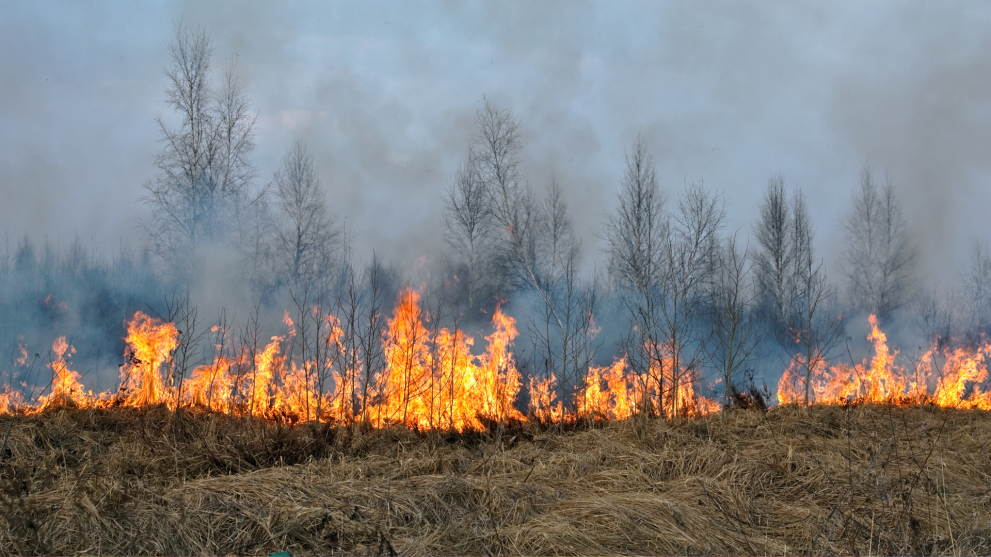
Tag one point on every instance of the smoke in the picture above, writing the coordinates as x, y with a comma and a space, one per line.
385, 95
918, 107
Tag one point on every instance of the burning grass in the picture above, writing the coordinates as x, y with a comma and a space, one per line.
826, 480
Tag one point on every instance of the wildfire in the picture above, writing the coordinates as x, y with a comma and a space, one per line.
66, 388
150, 344
430, 378
954, 378
612, 393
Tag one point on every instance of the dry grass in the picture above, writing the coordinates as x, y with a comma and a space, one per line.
834, 480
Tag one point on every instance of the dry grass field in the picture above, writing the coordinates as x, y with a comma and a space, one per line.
859, 479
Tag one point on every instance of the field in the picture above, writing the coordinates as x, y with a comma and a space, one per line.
859, 479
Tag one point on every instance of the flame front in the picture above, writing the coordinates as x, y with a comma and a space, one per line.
66, 388
431, 379
955, 378
150, 344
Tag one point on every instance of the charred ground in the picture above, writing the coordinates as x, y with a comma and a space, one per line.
825, 480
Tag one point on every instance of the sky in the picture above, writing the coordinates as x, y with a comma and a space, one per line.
384, 94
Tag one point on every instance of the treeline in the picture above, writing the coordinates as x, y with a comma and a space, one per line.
71, 290
676, 286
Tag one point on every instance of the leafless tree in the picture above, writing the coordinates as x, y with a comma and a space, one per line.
934, 315
371, 330
306, 235
814, 326
638, 229
533, 245
258, 245
556, 238
773, 258
246, 370
311, 342
802, 254
735, 331
512, 204
346, 354
690, 254
975, 295
469, 226
563, 335
203, 170
879, 255
637, 233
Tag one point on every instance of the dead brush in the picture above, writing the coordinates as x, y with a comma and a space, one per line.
827, 480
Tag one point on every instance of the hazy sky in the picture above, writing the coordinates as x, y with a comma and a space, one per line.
384, 94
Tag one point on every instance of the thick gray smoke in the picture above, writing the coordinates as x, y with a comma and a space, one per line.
385, 95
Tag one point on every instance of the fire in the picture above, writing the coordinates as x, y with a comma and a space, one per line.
430, 377
150, 345
406, 394
668, 388
956, 378
542, 397
23, 349
611, 393
66, 388
211, 385
960, 369
444, 387
262, 395
608, 393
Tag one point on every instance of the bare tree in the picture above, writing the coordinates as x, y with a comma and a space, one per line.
689, 257
372, 326
735, 331
879, 254
346, 353
306, 234
976, 292
563, 336
534, 248
637, 233
638, 229
511, 203
312, 339
234, 134
203, 170
814, 326
468, 222
258, 245
934, 315
802, 254
512, 240
773, 256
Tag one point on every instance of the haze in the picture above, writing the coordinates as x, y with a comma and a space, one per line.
384, 95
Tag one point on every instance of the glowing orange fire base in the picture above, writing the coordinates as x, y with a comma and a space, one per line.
431, 380
948, 376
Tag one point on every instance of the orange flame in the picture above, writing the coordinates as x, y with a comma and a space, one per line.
884, 381
444, 387
614, 402
66, 388
150, 345
211, 385
23, 349
431, 379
